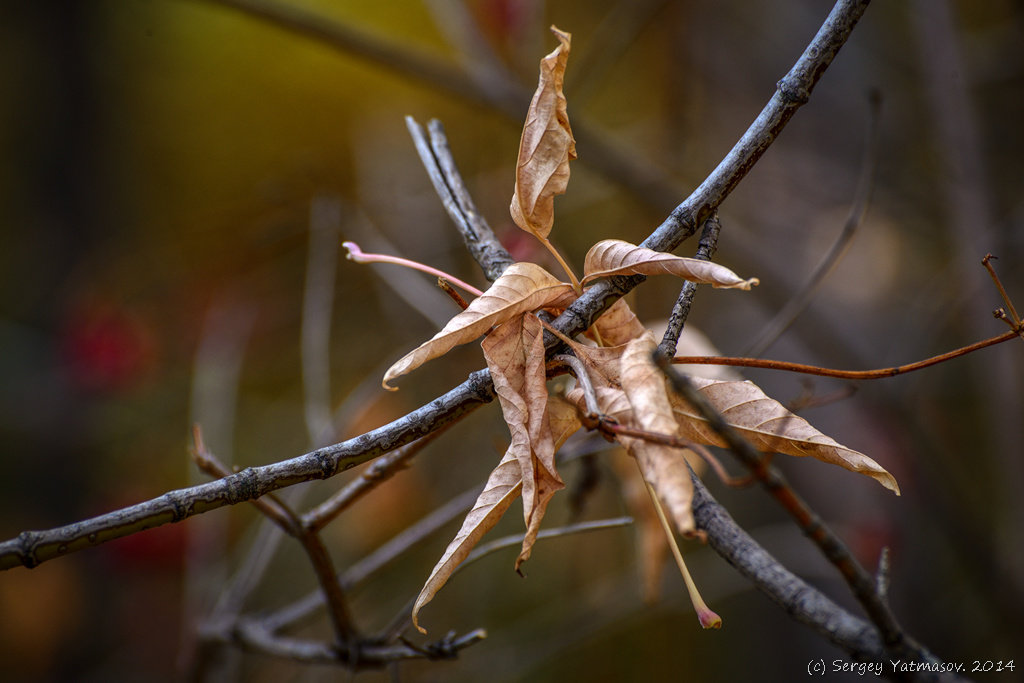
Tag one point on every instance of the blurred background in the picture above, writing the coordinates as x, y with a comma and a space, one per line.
177, 176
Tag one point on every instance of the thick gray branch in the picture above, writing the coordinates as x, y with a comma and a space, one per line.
791, 93
30, 548
799, 599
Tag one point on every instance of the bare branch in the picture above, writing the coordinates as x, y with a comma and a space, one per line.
476, 233
792, 92
253, 635
301, 609
30, 548
895, 640
376, 474
681, 310
799, 599
279, 513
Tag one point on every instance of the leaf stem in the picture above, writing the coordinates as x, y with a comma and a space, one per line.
707, 617
577, 287
356, 254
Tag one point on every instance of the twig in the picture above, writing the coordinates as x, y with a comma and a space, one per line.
802, 601
844, 374
617, 162
480, 61
987, 262
214, 395
452, 293
253, 635
312, 544
440, 165
609, 427
583, 377
208, 463
681, 310
792, 92
377, 473
30, 548
859, 580
861, 196
417, 65
401, 620
618, 31
301, 609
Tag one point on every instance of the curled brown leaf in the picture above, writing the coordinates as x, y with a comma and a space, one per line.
616, 257
503, 486
618, 324
521, 288
770, 427
663, 467
546, 147
515, 357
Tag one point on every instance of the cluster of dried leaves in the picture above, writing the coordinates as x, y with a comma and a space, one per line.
619, 383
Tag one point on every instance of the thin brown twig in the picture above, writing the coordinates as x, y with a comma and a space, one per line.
594, 419
447, 288
843, 374
987, 262
608, 426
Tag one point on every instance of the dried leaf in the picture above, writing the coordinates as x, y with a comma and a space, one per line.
564, 422
502, 487
546, 147
563, 418
770, 427
616, 257
515, 357
522, 287
618, 325
664, 467
601, 362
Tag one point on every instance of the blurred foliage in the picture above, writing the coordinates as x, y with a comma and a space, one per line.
159, 162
